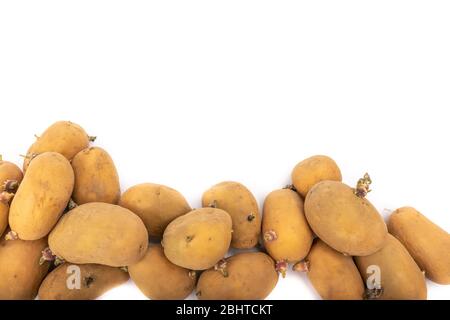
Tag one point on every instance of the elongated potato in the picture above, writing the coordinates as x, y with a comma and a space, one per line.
287, 235
99, 233
156, 205
20, 271
4, 211
346, 222
80, 282
240, 203
42, 196
401, 278
313, 170
64, 137
199, 239
333, 275
96, 177
427, 243
159, 279
245, 276
10, 176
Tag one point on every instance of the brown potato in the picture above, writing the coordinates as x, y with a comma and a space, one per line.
245, 276
401, 278
20, 271
99, 233
333, 275
156, 205
199, 239
427, 243
10, 176
240, 203
159, 279
287, 235
4, 211
80, 282
313, 170
346, 222
64, 137
42, 196
96, 177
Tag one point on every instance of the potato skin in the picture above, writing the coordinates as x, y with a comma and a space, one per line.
333, 275
249, 276
159, 279
64, 137
345, 222
96, 177
99, 233
199, 239
240, 203
313, 170
156, 205
9, 171
94, 282
427, 243
289, 237
42, 196
20, 272
4, 211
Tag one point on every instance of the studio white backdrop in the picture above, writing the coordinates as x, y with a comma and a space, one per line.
191, 93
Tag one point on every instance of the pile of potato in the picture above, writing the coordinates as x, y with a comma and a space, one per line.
66, 210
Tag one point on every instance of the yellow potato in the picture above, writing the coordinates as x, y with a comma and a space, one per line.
10, 176
245, 276
64, 137
401, 278
99, 233
240, 203
156, 205
346, 222
81, 282
199, 239
4, 211
313, 170
96, 177
42, 196
427, 243
159, 279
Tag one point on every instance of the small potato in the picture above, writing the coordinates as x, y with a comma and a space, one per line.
156, 205
81, 282
245, 276
159, 279
287, 235
64, 137
401, 278
346, 222
4, 211
20, 271
99, 233
240, 203
42, 196
313, 170
199, 239
10, 176
333, 275
427, 243
96, 178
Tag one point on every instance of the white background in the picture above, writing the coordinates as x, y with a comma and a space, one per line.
190, 93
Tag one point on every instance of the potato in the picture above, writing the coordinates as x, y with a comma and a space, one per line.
346, 222
10, 176
239, 202
313, 170
42, 196
156, 205
159, 279
80, 282
99, 233
20, 271
64, 137
287, 235
245, 276
4, 211
333, 275
427, 243
96, 178
199, 239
